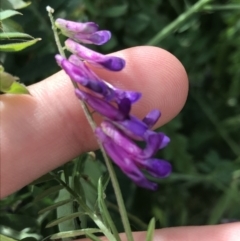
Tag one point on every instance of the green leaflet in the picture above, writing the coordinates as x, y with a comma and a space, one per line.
5, 238
14, 47
48, 192
150, 231
65, 218
75, 233
103, 208
55, 205
17, 88
7, 14
9, 35
18, 4
8, 84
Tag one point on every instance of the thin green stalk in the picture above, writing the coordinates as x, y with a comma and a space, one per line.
222, 7
103, 209
54, 28
176, 23
111, 171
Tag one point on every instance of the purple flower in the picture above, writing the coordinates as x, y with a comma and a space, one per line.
131, 164
112, 93
79, 72
83, 32
154, 141
109, 62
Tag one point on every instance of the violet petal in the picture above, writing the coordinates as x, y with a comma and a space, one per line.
154, 142
124, 106
151, 118
101, 106
108, 62
133, 127
120, 139
98, 38
158, 168
59, 59
76, 27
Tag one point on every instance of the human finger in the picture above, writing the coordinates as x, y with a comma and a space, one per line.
48, 129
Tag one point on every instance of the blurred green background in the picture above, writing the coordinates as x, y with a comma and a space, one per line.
205, 142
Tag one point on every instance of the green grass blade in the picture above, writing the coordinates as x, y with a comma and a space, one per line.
151, 229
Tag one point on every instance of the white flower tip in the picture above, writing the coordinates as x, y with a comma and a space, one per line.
49, 9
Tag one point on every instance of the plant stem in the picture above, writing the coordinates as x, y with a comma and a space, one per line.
222, 7
176, 23
111, 171
54, 28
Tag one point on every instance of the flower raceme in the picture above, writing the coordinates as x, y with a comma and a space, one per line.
119, 130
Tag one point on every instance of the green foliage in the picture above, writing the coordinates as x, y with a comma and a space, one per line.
205, 148
12, 31
150, 230
9, 84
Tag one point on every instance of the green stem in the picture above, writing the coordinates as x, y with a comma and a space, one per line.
54, 28
222, 7
176, 23
112, 174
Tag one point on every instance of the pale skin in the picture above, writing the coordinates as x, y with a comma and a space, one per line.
42, 132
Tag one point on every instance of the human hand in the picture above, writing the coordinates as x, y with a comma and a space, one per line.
222, 232
45, 130
42, 132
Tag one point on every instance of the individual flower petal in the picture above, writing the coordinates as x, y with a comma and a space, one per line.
154, 142
101, 106
139, 129
133, 96
124, 105
108, 62
120, 139
133, 127
98, 38
76, 27
151, 118
158, 168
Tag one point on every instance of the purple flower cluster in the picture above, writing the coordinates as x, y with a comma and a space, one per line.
120, 130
